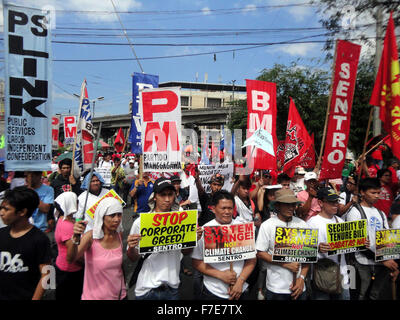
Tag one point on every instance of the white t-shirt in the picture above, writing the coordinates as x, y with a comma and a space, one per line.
214, 285
92, 199
396, 223
297, 186
106, 164
278, 279
159, 268
243, 211
319, 222
374, 223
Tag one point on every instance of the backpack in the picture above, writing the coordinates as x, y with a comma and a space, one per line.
326, 275
368, 253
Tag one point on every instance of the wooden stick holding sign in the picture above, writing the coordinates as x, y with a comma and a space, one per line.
77, 237
365, 146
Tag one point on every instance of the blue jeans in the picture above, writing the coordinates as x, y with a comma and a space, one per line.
320, 295
269, 295
163, 292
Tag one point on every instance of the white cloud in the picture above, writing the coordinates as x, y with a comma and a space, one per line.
296, 49
206, 11
249, 8
85, 5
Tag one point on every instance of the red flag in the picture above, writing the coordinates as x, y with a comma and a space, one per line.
307, 161
386, 92
340, 105
297, 139
119, 141
261, 107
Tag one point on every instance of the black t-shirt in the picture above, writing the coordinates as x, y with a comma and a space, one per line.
19, 263
206, 214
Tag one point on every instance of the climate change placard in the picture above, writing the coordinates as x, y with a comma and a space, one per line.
90, 212
165, 231
387, 244
295, 245
346, 237
228, 243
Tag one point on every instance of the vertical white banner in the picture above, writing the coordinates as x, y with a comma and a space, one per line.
28, 91
161, 129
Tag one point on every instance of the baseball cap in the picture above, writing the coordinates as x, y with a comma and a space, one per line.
266, 173
310, 176
161, 184
175, 178
327, 194
131, 161
218, 178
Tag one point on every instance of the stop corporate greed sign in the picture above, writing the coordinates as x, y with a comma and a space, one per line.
165, 231
346, 237
295, 245
228, 243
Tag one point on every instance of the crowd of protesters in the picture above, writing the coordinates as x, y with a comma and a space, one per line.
44, 222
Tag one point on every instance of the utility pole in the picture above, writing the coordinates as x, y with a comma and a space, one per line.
377, 125
233, 101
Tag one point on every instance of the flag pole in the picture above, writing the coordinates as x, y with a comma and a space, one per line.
371, 113
80, 218
318, 166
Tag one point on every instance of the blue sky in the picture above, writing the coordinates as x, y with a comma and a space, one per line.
113, 79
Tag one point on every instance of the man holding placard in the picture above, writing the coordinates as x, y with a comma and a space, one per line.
374, 276
328, 200
158, 278
285, 280
224, 280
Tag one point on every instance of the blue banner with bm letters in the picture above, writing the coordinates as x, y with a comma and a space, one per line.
140, 81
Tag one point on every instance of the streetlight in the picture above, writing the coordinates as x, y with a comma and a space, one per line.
92, 101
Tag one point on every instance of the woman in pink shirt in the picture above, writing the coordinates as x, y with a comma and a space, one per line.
102, 250
69, 276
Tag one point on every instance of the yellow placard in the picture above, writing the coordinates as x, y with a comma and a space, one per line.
165, 231
90, 212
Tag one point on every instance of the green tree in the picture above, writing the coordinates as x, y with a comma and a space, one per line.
309, 87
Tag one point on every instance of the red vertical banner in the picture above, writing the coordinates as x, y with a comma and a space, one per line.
261, 107
55, 129
345, 74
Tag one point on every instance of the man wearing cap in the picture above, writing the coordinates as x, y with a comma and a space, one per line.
328, 200
310, 206
158, 278
263, 181
297, 182
216, 184
182, 194
280, 275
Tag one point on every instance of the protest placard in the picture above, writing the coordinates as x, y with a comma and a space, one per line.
346, 237
28, 91
228, 243
207, 171
295, 245
166, 231
105, 174
90, 212
69, 130
161, 125
387, 244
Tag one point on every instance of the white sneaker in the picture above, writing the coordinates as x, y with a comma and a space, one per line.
260, 295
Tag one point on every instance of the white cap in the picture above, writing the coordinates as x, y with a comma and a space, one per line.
131, 161
310, 176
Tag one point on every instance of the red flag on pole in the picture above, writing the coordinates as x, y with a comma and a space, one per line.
297, 139
119, 141
307, 161
386, 92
